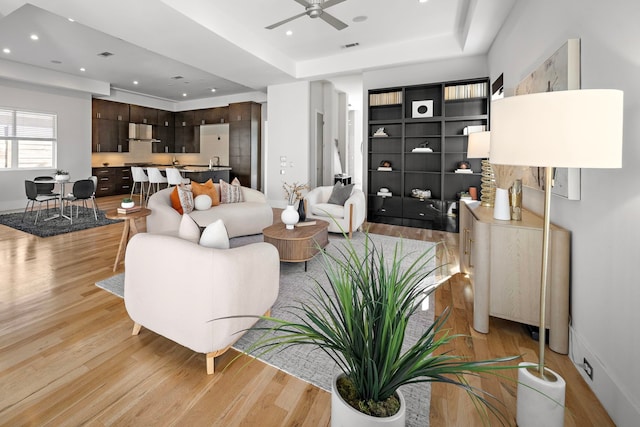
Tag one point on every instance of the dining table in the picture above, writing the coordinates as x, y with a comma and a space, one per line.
62, 185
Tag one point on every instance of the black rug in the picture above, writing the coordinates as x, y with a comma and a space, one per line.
54, 226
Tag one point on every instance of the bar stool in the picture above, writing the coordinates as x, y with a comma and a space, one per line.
139, 177
174, 177
155, 179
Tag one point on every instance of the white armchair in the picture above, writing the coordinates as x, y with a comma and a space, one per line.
179, 299
345, 218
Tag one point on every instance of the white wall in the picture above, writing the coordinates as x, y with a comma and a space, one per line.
605, 290
74, 135
289, 137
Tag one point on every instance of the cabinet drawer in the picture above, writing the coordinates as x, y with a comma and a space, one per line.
385, 206
105, 188
426, 209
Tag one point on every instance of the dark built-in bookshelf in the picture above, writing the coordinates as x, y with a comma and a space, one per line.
425, 138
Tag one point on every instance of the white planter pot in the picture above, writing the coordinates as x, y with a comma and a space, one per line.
61, 178
127, 205
343, 415
290, 217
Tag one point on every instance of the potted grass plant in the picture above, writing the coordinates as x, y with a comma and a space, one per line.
361, 320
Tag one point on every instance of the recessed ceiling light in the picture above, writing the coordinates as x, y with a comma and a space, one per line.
213, 89
422, 1
360, 18
135, 82
83, 69
184, 94
34, 37
6, 50
289, 32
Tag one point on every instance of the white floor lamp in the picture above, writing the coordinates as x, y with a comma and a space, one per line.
574, 129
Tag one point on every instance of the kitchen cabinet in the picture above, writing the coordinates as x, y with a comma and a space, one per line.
165, 132
503, 260
113, 180
110, 126
109, 110
244, 143
144, 115
109, 136
187, 139
209, 116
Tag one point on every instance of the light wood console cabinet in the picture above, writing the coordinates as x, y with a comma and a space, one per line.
503, 261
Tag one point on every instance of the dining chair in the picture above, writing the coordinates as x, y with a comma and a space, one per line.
94, 179
31, 190
155, 179
46, 188
83, 190
139, 177
174, 177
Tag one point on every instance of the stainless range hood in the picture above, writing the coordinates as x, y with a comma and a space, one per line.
141, 132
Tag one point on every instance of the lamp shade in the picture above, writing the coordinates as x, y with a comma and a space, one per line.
571, 128
479, 144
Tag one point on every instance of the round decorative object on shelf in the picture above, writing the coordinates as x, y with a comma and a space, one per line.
289, 217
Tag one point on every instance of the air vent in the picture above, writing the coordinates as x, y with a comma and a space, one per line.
347, 46
105, 54
177, 77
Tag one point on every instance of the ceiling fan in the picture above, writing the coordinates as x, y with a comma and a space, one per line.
315, 9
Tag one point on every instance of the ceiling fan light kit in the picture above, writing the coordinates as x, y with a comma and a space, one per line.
315, 9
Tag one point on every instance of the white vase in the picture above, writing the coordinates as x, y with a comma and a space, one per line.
344, 415
501, 209
290, 217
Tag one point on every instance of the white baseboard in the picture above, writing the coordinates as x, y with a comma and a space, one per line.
615, 400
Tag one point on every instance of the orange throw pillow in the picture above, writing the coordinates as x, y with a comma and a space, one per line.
207, 188
175, 200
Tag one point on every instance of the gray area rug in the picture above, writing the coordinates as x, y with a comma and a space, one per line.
306, 362
53, 227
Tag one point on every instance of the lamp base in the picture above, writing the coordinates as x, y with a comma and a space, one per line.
540, 401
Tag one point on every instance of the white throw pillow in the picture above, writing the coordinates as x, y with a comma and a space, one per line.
189, 229
202, 202
215, 236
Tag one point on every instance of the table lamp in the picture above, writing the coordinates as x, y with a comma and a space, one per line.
575, 129
478, 148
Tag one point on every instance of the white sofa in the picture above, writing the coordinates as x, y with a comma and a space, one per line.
341, 219
178, 298
240, 219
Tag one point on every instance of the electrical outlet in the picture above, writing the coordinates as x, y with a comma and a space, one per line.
588, 369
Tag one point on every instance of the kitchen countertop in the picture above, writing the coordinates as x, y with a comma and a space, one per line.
181, 168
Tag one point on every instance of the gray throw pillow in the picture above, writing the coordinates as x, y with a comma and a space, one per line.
340, 193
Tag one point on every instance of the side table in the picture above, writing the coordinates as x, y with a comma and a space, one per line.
129, 230
300, 244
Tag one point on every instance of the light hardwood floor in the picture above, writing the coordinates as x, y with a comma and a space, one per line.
67, 356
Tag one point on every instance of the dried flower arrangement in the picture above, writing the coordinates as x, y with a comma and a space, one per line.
293, 192
507, 174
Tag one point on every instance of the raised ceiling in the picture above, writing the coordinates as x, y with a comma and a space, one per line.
224, 44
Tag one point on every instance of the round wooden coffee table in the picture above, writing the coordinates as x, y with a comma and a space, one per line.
300, 244
129, 230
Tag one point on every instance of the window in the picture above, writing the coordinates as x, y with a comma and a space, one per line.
27, 139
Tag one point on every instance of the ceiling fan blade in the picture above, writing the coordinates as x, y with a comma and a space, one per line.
333, 21
277, 24
329, 3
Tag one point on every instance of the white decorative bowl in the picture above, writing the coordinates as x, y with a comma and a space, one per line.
127, 205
